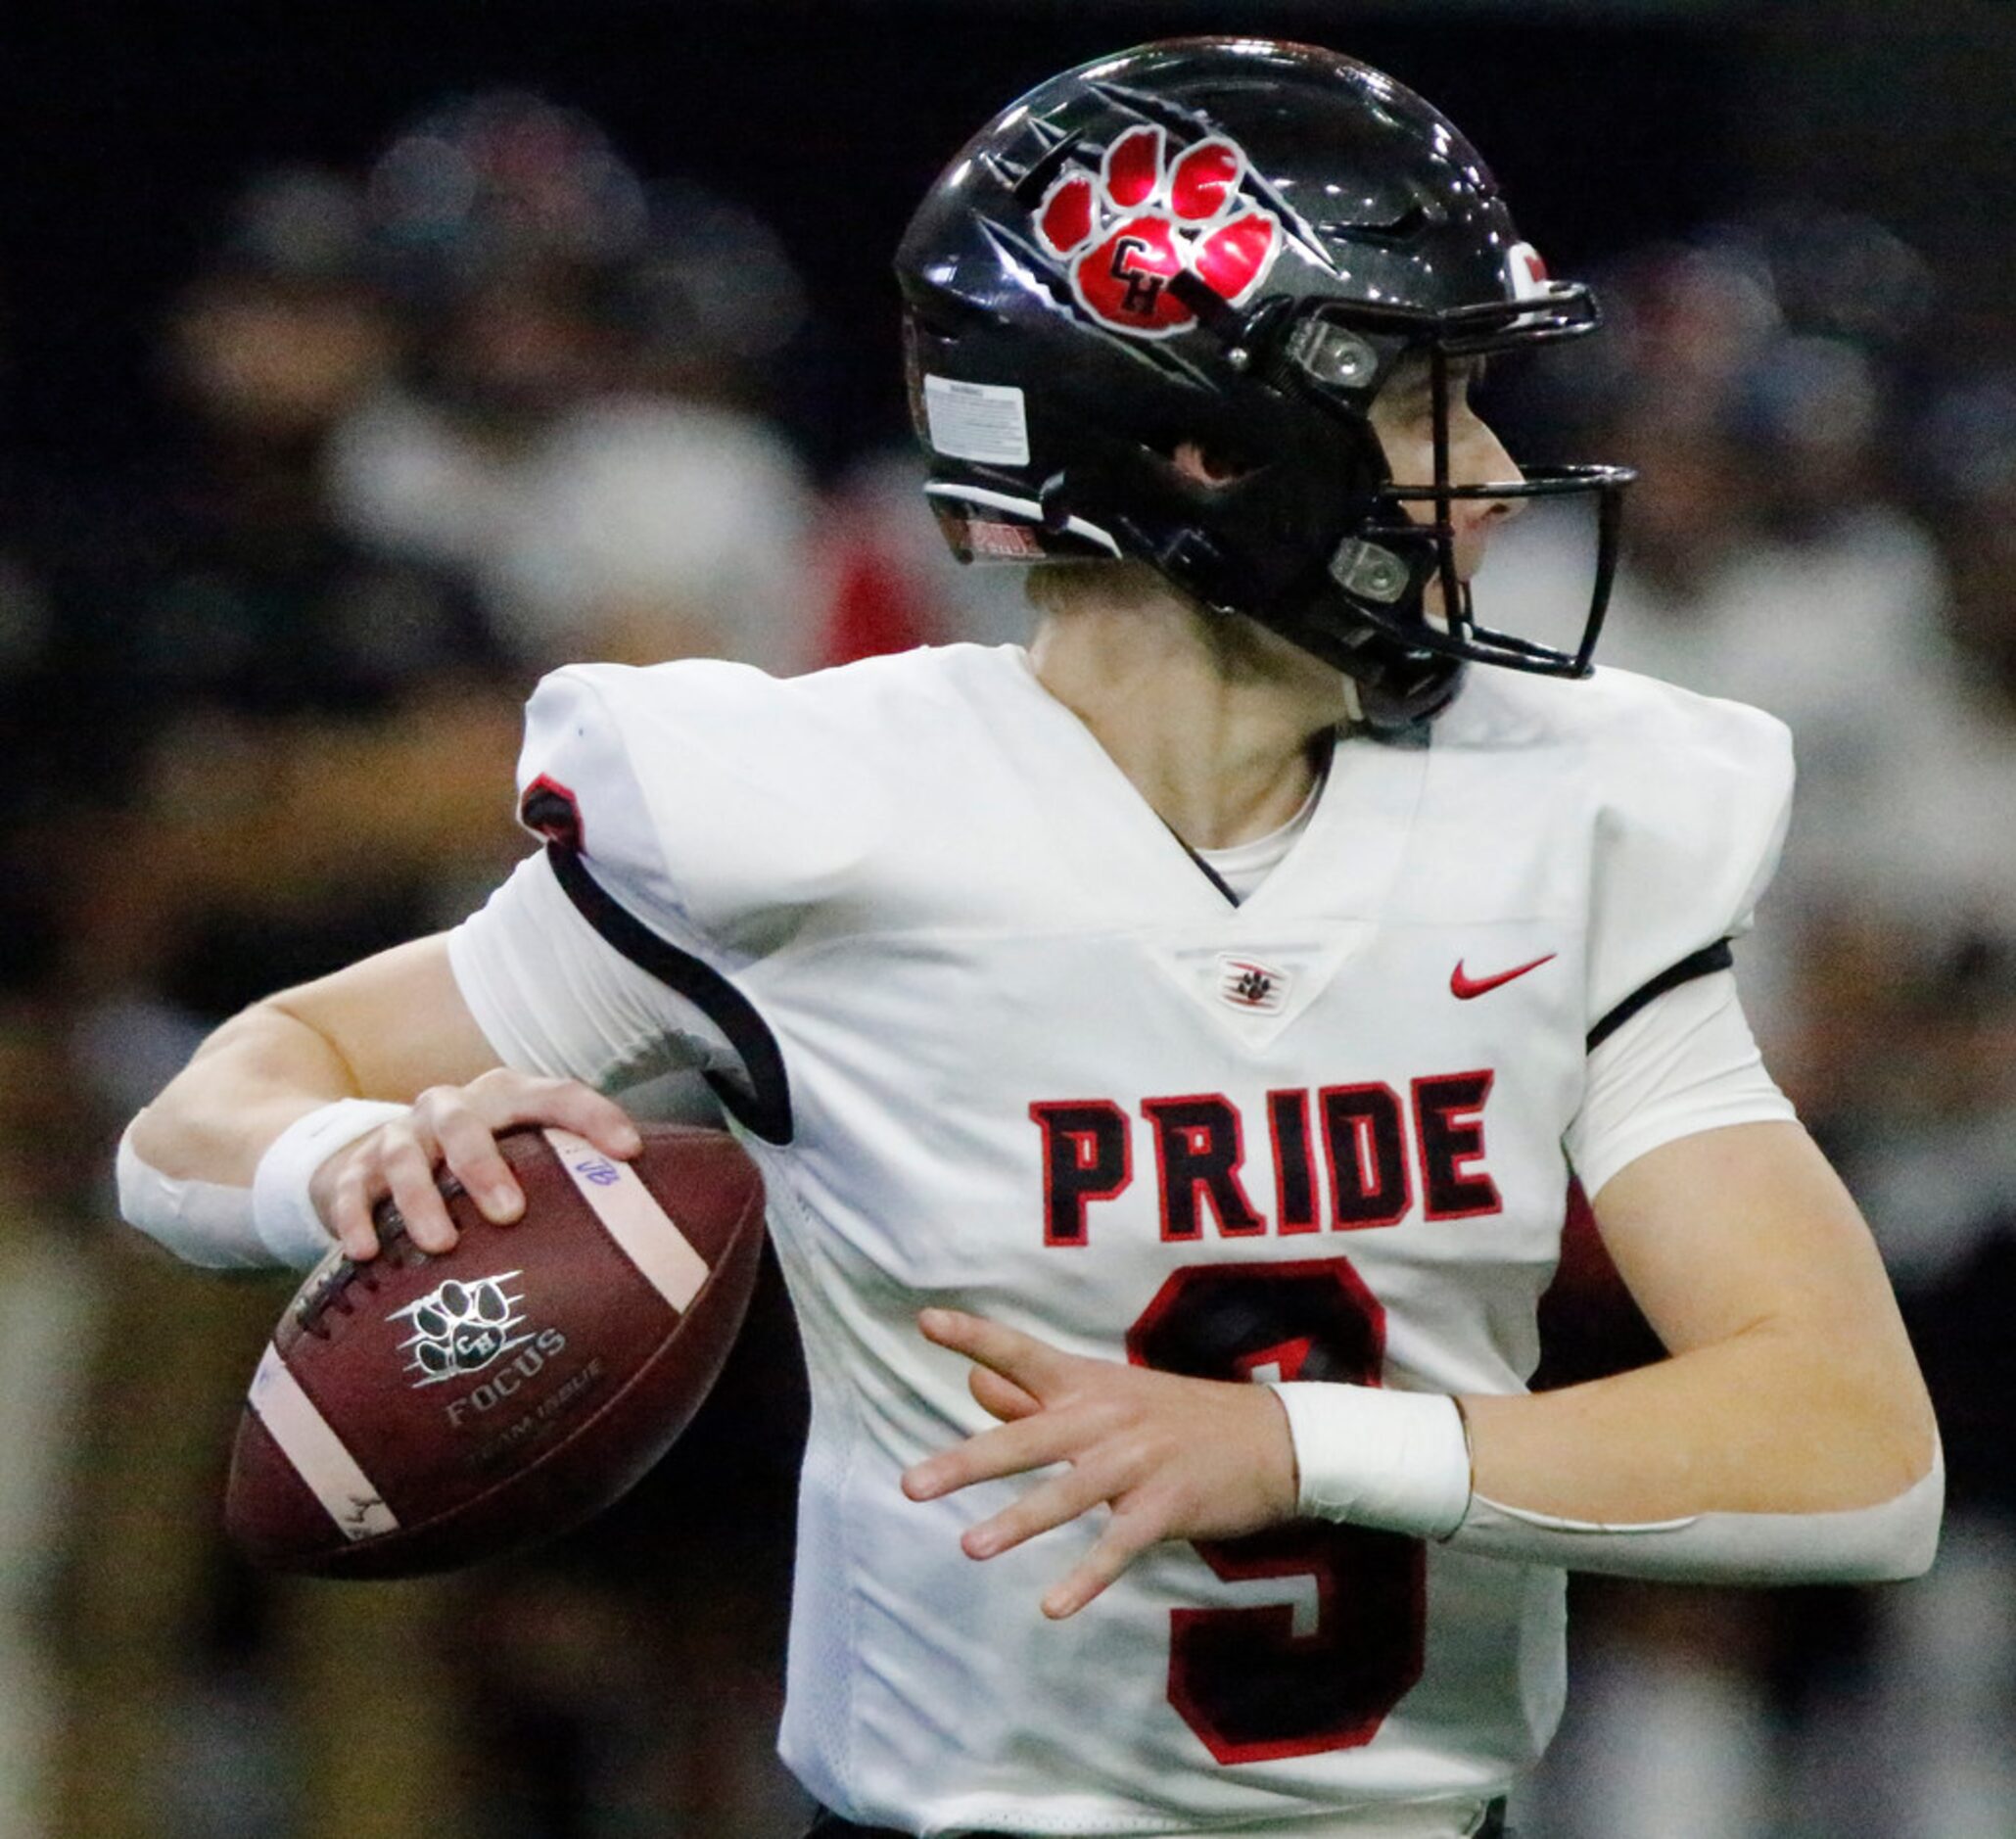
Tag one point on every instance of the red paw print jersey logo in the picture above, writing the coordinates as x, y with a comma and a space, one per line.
1143, 221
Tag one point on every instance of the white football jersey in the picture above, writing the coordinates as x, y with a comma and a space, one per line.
1039, 1067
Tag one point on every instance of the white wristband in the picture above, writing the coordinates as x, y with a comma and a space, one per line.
282, 1212
1398, 1461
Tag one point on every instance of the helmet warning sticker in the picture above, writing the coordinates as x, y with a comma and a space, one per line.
978, 421
1145, 220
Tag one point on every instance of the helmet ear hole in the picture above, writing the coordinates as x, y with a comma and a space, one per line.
1209, 465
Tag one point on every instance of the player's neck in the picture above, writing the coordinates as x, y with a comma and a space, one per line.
1216, 722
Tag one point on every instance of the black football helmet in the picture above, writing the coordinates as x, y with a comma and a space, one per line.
1231, 242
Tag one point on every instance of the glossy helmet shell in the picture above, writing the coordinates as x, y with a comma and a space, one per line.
1227, 242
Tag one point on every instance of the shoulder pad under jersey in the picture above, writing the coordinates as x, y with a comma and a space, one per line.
708, 791
1692, 798
1678, 803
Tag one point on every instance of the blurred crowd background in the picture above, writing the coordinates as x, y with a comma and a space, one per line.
355, 369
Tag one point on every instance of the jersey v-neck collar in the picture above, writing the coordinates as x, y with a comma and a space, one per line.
1241, 868
1356, 823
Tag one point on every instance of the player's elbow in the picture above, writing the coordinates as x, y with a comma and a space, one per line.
243, 1083
1895, 1436
181, 1133
1888, 1529
202, 1223
1920, 1545
1911, 1449
167, 1138
1899, 1539
1853, 1425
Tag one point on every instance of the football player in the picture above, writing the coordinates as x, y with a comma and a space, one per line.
1168, 1047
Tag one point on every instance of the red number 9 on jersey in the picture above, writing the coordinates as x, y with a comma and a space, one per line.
1251, 1686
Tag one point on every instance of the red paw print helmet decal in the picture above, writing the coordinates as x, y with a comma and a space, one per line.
1146, 218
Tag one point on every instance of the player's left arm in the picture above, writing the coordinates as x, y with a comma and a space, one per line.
1787, 1436
1790, 1388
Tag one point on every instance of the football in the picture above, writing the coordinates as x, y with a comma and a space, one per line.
415, 1413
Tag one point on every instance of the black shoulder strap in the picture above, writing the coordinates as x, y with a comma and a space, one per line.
1711, 957
765, 1109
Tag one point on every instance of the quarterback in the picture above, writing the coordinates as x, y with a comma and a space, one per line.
1170, 1048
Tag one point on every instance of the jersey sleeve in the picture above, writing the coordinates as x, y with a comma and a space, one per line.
699, 794
1680, 1066
553, 997
1695, 798
696, 818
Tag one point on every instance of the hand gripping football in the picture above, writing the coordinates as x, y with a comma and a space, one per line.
416, 1413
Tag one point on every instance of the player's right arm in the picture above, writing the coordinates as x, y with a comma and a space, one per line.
299, 1115
395, 1028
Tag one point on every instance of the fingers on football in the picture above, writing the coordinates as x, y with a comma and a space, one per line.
1033, 1366
350, 1200
469, 1152
406, 1161
504, 1097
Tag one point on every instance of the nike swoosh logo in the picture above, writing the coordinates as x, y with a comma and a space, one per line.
1462, 988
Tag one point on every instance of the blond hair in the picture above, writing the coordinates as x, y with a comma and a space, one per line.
1063, 587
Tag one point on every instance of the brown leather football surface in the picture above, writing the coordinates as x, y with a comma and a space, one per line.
418, 1413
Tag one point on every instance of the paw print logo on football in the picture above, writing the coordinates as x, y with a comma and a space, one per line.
461, 1328
1145, 220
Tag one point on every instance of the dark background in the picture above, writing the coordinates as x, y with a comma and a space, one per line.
501, 1702
124, 129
